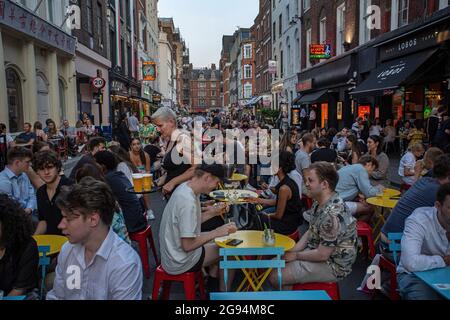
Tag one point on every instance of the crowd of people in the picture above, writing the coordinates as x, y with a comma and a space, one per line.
322, 182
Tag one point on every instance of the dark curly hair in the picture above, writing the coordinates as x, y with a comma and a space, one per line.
45, 159
287, 161
16, 226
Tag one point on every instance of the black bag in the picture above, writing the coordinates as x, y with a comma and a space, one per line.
246, 217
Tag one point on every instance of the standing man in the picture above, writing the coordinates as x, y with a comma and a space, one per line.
48, 165
147, 131
302, 156
108, 267
133, 125
13, 179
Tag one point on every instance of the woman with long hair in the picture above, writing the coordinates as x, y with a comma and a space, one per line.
287, 216
139, 158
40, 134
19, 256
354, 150
375, 149
286, 142
123, 158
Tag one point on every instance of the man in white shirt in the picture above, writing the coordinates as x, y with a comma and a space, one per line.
133, 125
425, 246
184, 248
302, 156
95, 264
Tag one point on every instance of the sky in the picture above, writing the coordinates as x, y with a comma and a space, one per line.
202, 24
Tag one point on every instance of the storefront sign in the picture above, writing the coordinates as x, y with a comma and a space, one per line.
149, 70
319, 51
272, 67
416, 42
118, 87
16, 17
339, 110
304, 85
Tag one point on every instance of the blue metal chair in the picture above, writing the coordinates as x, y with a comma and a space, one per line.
240, 255
395, 244
395, 247
44, 262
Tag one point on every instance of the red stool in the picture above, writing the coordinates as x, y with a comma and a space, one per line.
392, 269
141, 238
332, 288
365, 231
307, 201
189, 279
295, 236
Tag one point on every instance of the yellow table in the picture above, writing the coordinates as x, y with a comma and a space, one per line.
254, 239
55, 242
390, 193
382, 202
238, 177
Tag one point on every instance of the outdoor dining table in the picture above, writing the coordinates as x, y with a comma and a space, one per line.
438, 279
387, 200
54, 241
254, 239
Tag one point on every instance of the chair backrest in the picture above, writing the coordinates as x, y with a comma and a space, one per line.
251, 264
44, 261
395, 245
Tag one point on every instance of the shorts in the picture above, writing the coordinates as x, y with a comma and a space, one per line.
352, 207
306, 272
198, 266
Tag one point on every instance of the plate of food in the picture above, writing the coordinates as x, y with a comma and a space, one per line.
235, 196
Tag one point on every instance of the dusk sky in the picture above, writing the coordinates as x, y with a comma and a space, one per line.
203, 22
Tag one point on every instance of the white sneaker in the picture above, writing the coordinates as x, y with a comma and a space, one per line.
150, 215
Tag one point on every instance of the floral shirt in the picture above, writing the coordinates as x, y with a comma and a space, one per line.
333, 225
147, 133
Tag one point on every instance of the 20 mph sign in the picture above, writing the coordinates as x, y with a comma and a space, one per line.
98, 83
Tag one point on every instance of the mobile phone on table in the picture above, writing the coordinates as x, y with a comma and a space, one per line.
233, 242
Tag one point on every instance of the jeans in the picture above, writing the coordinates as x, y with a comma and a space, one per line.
412, 288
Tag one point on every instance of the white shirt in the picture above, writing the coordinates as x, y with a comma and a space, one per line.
407, 161
424, 242
133, 123
115, 272
181, 219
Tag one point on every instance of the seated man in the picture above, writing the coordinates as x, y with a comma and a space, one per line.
425, 246
95, 145
421, 194
19, 255
354, 180
183, 247
108, 268
327, 251
26, 138
14, 181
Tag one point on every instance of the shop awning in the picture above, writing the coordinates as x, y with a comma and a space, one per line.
253, 101
392, 74
310, 97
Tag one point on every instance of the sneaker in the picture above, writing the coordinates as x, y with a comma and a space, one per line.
150, 215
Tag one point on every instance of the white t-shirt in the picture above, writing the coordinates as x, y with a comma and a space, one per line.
407, 161
181, 219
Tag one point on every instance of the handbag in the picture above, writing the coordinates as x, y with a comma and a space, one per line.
246, 217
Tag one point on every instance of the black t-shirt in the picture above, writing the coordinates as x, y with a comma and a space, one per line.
324, 154
129, 202
47, 209
152, 151
88, 158
25, 137
19, 270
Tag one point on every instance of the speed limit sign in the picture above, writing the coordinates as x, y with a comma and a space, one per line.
98, 83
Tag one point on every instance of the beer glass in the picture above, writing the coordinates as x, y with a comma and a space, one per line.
148, 181
138, 182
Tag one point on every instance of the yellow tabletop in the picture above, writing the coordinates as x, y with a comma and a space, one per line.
55, 242
390, 193
253, 239
238, 177
384, 202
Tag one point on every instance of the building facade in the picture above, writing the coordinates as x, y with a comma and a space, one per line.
37, 67
261, 32
167, 63
205, 89
92, 61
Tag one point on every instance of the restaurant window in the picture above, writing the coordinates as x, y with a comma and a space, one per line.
414, 102
14, 100
434, 96
403, 11
340, 29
